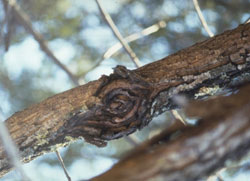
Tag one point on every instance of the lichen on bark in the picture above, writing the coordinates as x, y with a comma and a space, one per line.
118, 104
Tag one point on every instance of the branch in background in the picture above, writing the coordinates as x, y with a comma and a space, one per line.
1, 29
25, 21
177, 116
23, 18
247, 21
116, 32
117, 105
202, 19
62, 164
192, 153
116, 47
11, 150
147, 31
4, 22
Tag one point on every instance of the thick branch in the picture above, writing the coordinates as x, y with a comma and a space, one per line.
118, 104
194, 153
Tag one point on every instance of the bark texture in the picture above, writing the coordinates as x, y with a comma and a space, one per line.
127, 100
192, 153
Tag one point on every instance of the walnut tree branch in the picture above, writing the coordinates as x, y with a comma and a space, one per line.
127, 100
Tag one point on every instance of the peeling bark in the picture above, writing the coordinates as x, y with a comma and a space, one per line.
117, 105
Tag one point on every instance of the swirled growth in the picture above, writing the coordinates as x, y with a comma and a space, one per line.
124, 105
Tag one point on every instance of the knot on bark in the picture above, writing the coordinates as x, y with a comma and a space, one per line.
126, 104
123, 106
126, 98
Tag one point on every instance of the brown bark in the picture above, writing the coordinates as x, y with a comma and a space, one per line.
117, 105
192, 153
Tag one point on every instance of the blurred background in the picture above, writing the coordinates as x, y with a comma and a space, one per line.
79, 37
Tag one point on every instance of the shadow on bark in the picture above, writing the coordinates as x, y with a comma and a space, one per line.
181, 152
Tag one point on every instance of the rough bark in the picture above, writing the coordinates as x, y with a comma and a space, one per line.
192, 153
127, 100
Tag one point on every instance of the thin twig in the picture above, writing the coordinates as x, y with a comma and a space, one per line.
62, 164
11, 150
25, 21
177, 116
147, 31
202, 19
116, 32
247, 21
135, 36
4, 21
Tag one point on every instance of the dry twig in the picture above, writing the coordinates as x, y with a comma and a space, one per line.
177, 116
116, 32
62, 164
202, 19
2, 24
25, 21
147, 31
116, 47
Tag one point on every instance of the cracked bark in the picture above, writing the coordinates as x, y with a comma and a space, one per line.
127, 100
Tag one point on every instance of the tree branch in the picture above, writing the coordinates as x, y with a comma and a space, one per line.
117, 33
62, 164
11, 150
116, 47
194, 153
202, 19
127, 100
25, 21
135, 36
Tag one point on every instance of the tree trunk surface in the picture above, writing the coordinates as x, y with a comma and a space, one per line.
127, 100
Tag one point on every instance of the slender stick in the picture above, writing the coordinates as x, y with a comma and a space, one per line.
25, 21
4, 21
147, 31
116, 32
177, 116
62, 164
247, 21
135, 36
202, 19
